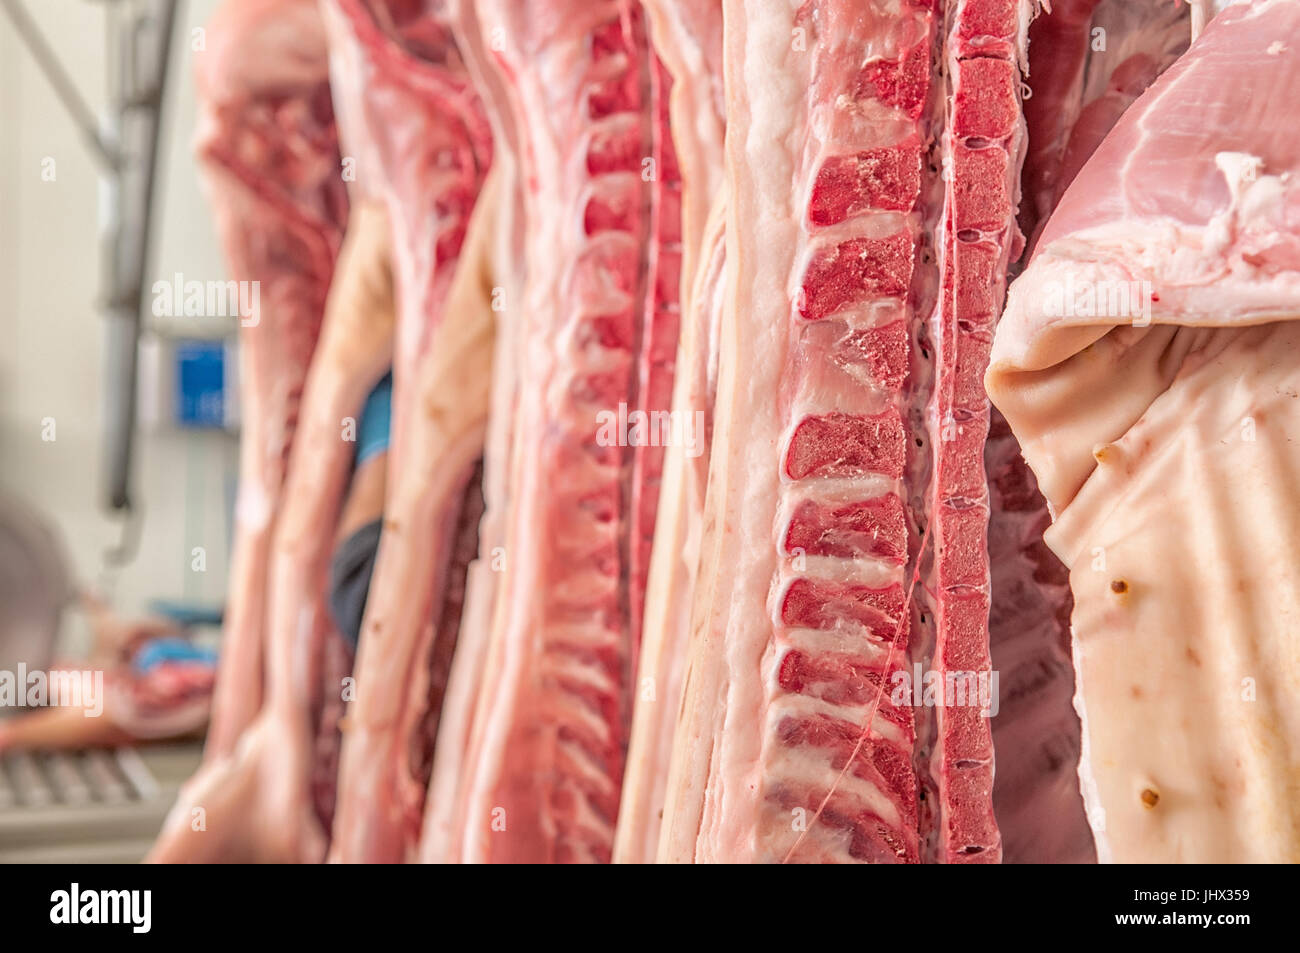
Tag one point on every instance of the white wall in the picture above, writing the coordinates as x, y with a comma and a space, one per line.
51, 360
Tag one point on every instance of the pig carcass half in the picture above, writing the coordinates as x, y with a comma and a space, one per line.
1146, 361
534, 771
845, 551
423, 147
269, 152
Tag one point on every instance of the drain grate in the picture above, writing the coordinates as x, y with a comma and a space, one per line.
88, 806
74, 778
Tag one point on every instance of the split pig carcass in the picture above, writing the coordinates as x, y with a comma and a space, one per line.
406, 100
269, 795
535, 773
269, 147
269, 151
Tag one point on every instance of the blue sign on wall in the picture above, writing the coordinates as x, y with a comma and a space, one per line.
200, 383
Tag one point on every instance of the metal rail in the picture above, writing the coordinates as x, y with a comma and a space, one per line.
106, 152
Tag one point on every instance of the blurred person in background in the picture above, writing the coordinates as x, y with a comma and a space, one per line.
156, 682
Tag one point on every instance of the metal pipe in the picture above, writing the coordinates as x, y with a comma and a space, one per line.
129, 242
64, 88
131, 250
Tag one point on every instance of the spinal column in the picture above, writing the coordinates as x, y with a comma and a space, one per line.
542, 779
983, 152
847, 506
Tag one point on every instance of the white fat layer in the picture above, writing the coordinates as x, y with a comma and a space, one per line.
1092, 803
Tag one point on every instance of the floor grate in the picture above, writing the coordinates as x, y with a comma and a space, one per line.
98, 805
74, 778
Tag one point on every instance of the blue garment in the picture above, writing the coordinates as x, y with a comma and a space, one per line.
351, 568
170, 648
376, 417
353, 562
